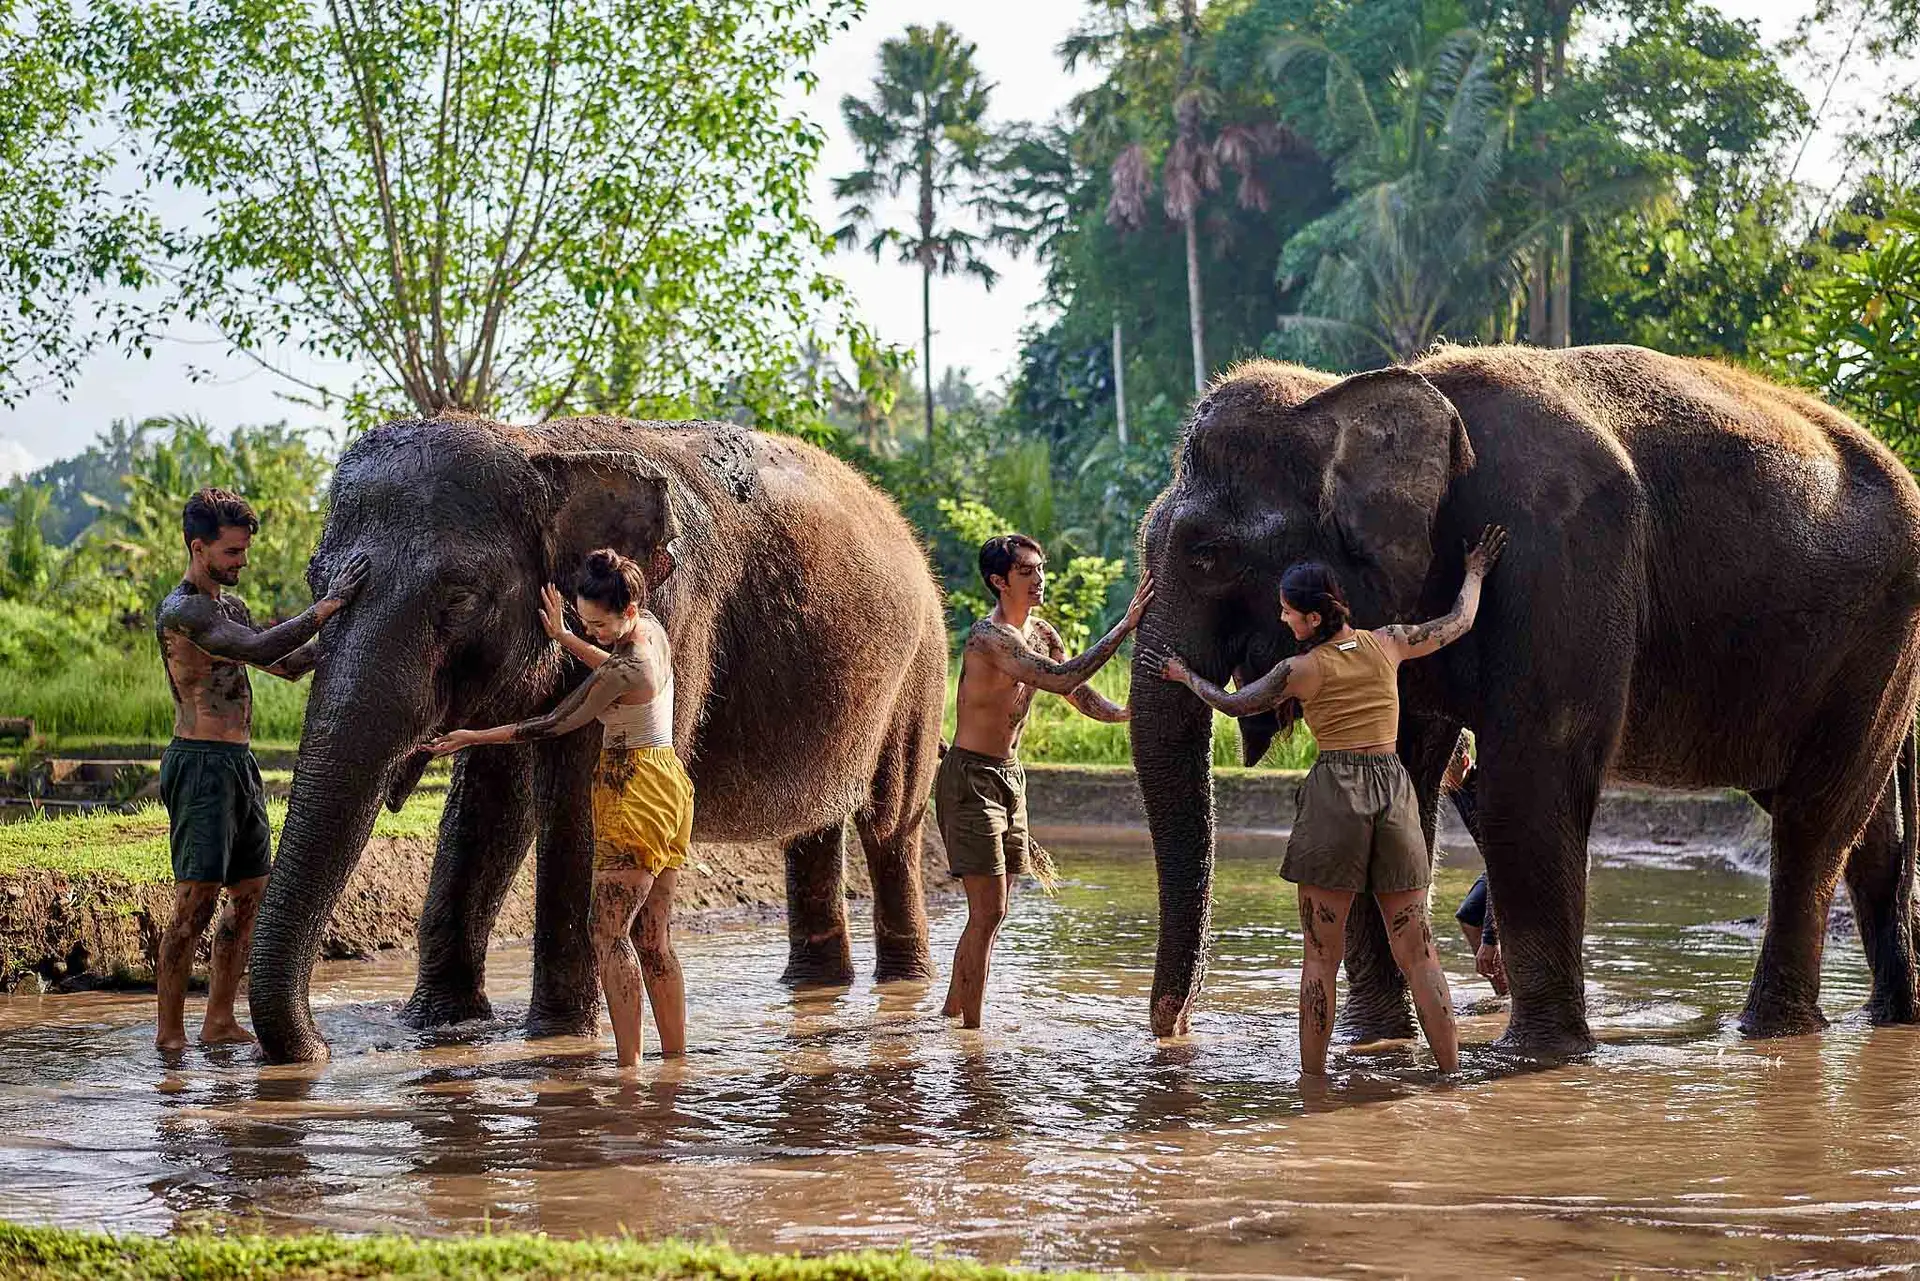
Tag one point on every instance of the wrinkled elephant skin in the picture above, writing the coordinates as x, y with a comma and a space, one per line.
1712, 581
785, 581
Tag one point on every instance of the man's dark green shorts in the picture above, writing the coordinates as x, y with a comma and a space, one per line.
216, 811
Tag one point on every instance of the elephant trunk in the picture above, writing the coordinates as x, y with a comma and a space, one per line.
1172, 757
351, 742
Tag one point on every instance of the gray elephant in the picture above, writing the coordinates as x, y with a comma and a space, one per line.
810, 656
1713, 581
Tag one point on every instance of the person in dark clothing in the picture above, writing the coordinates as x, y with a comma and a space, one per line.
1475, 912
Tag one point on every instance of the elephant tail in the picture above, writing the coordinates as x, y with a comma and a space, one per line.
1906, 776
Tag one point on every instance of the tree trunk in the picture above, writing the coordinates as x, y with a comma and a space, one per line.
1538, 279
1119, 385
1195, 321
1563, 267
926, 348
1563, 290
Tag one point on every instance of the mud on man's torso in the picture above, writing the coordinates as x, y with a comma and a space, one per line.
990, 706
212, 697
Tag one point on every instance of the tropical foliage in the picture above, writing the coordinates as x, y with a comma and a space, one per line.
604, 205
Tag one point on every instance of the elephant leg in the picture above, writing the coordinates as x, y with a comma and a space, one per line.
1854, 760
893, 823
484, 833
899, 900
1536, 809
566, 986
818, 952
1809, 855
1879, 876
1379, 1005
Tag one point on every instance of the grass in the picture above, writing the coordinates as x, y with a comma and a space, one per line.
134, 846
122, 695
29, 1252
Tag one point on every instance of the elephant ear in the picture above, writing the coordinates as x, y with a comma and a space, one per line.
606, 498
1396, 445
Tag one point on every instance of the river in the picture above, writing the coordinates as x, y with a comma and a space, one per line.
1061, 1135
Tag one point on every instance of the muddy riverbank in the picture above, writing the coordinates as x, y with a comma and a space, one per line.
66, 924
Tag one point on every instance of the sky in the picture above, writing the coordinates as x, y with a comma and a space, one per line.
191, 373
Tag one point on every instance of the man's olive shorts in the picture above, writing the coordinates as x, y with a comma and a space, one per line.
1358, 828
982, 807
216, 811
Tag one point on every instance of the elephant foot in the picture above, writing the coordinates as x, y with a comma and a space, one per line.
1892, 1009
558, 1021
1357, 1024
820, 962
1545, 1045
310, 1049
903, 966
1761, 1022
1170, 1016
437, 1007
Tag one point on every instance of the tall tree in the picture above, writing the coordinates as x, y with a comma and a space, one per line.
64, 228
1415, 248
1197, 151
482, 202
924, 130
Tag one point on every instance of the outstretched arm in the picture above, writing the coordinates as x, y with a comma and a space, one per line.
1009, 652
201, 620
1092, 703
1288, 679
1087, 700
296, 664
1403, 641
626, 674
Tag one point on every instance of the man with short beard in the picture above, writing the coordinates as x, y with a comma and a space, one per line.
216, 805
981, 792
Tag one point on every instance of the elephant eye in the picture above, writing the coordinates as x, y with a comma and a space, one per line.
1203, 556
460, 605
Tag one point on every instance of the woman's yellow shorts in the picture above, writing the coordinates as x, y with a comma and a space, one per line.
642, 811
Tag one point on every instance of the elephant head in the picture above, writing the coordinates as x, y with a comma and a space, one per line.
462, 521
1279, 464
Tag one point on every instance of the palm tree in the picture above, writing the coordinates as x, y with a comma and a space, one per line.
923, 128
1194, 162
1416, 245
1410, 244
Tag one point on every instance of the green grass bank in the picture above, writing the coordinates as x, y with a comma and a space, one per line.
29, 1252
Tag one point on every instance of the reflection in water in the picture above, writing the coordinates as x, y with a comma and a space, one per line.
1061, 1134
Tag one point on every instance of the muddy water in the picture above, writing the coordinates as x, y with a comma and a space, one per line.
1062, 1135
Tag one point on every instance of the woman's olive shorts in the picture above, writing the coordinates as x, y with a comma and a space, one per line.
1358, 828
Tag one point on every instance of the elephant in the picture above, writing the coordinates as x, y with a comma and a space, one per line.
810, 656
1712, 581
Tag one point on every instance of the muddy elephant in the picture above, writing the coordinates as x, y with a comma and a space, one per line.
1713, 581
810, 657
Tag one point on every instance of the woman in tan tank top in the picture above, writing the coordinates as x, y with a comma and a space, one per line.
1358, 829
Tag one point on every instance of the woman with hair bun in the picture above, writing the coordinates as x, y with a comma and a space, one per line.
1358, 829
642, 797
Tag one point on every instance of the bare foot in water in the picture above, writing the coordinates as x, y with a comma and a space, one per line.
168, 1042
227, 1033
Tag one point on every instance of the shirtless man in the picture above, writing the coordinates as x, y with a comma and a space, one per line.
981, 790
216, 807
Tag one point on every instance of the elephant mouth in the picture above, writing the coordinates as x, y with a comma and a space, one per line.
405, 776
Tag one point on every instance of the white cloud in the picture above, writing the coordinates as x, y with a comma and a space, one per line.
15, 460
